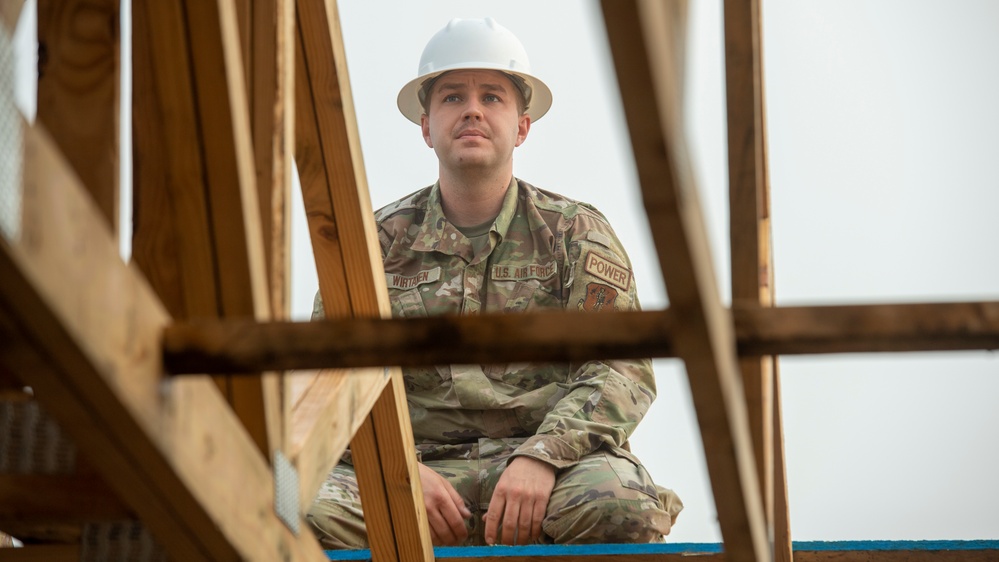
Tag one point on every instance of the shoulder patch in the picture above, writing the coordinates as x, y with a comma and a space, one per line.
598, 296
409, 281
607, 270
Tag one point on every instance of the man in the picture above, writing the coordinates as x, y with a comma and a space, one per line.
519, 453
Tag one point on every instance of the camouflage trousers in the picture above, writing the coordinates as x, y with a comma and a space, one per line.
608, 497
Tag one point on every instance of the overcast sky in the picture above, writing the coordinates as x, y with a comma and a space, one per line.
882, 122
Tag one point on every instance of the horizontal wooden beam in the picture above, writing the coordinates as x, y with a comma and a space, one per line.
42, 553
229, 346
801, 330
222, 346
50, 498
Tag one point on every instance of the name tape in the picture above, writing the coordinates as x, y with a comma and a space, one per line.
409, 281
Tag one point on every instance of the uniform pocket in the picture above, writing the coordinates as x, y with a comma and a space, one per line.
631, 473
408, 304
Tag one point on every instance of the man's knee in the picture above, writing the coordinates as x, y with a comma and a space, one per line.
335, 515
609, 520
608, 497
337, 526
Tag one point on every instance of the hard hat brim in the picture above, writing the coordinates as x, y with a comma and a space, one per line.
409, 99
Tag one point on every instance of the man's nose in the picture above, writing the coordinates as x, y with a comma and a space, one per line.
472, 111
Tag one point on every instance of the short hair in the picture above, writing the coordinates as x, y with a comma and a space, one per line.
520, 85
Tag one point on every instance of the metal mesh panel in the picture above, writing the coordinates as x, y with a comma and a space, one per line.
31, 442
286, 491
119, 541
11, 146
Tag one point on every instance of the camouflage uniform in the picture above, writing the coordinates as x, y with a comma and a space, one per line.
544, 252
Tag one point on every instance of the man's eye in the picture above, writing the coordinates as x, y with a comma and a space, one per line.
452, 97
491, 97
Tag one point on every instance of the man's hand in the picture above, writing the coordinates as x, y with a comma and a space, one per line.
446, 511
519, 502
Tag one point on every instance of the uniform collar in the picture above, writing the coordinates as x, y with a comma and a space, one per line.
438, 234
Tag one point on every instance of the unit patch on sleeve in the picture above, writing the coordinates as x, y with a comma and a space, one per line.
597, 297
607, 270
409, 281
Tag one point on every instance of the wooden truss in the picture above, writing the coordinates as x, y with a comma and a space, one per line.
227, 94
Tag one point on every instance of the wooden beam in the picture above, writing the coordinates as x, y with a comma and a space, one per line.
331, 410
798, 330
271, 80
750, 243
783, 549
646, 40
194, 130
57, 498
10, 12
78, 81
270, 74
267, 41
171, 240
232, 346
339, 210
83, 330
41, 553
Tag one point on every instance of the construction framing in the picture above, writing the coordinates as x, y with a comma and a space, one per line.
228, 94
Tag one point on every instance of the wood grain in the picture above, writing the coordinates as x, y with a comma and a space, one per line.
78, 91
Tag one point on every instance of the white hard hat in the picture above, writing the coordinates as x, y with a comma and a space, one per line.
466, 44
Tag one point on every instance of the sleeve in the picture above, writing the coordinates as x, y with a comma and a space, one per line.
603, 400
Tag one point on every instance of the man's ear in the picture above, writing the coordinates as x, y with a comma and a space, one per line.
425, 126
523, 127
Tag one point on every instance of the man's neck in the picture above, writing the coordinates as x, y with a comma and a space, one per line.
470, 200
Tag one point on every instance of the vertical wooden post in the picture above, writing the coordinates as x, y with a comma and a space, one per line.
198, 232
646, 43
78, 94
352, 280
268, 45
751, 253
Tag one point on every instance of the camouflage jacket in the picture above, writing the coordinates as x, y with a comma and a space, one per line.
545, 252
